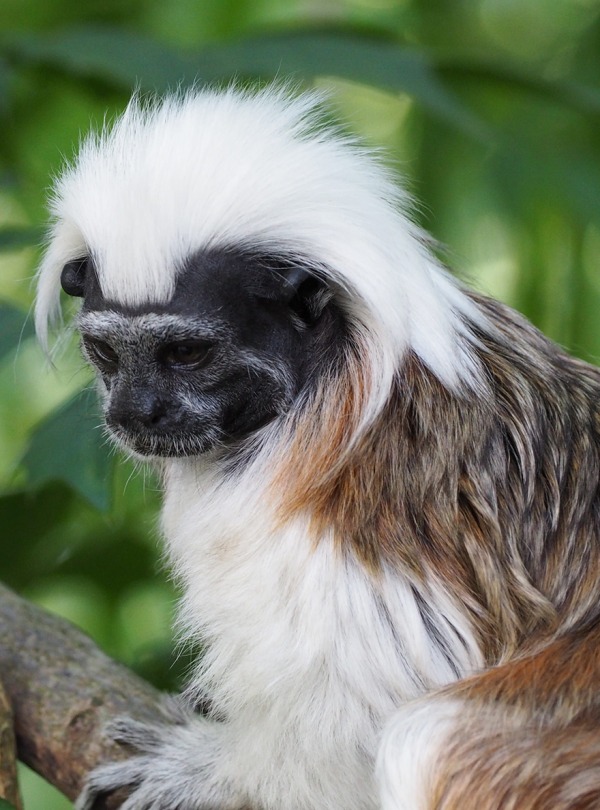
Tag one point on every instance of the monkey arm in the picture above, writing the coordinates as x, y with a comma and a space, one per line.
183, 763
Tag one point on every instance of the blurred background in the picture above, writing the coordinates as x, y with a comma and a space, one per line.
489, 109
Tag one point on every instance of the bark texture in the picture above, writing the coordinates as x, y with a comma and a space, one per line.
9, 786
62, 690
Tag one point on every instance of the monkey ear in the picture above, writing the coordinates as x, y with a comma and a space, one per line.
292, 278
73, 276
305, 293
292, 284
276, 279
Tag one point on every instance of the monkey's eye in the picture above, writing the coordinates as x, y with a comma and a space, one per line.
189, 354
101, 353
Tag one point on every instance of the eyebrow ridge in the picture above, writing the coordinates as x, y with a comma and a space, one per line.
166, 324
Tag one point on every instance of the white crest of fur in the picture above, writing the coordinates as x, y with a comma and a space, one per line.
256, 170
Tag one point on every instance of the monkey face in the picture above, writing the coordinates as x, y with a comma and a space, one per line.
242, 337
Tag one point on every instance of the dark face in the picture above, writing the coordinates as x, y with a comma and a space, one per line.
242, 338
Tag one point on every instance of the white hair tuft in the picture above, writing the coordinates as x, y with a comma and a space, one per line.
260, 171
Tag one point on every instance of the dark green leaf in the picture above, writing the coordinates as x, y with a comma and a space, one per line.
28, 519
15, 238
5, 72
69, 446
584, 99
114, 55
4, 805
134, 60
15, 326
363, 59
572, 177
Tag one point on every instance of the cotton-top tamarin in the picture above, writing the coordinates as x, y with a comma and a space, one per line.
381, 490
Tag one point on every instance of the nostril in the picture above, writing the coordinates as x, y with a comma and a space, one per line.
157, 415
150, 410
140, 411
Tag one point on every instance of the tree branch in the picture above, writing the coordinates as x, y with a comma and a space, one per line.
9, 785
63, 690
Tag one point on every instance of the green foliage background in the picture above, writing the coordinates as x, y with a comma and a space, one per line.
489, 108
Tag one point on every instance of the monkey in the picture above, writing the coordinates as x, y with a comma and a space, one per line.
381, 488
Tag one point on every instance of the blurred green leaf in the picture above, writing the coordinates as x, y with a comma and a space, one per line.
15, 326
4, 805
5, 72
365, 59
565, 176
52, 534
112, 54
69, 446
15, 238
134, 60
579, 97
28, 519
131, 59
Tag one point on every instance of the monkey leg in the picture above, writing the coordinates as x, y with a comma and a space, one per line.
522, 736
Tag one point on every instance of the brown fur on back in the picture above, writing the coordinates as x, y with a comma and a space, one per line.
494, 493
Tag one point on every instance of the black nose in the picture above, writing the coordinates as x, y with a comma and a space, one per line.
140, 411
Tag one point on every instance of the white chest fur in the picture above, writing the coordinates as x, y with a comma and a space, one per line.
308, 654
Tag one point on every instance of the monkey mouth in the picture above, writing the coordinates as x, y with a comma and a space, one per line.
162, 445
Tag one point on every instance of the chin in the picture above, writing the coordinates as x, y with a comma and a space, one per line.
149, 447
